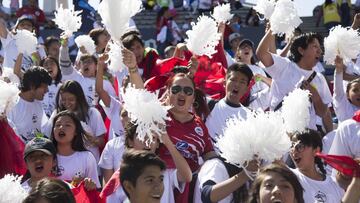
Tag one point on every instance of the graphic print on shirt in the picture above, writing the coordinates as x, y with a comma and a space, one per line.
320, 197
199, 131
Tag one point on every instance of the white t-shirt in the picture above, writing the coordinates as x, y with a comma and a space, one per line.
260, 92
79, 164
344, 109
347, 139
213, 170
221, 113
11, 52
113, 113
28, 117
88, 86
170, 183
326, 191
49, 99
287, 76
111, 156
25, 185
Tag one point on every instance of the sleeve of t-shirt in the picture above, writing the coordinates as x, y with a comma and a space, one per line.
212, 170
109, 88
280, 64
106, 158
91, 169
180, 186
340, 145
96, 122
339, 93
113, 109
5, 41
324, 92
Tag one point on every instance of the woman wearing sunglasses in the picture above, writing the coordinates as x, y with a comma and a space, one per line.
318, 187
185, 128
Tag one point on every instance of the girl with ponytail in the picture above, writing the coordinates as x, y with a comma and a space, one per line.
318, 187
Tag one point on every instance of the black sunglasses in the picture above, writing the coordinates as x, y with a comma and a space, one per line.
298, 146
187, 90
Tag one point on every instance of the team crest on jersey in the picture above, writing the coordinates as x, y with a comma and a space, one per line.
199, 131
320, 197
182, 145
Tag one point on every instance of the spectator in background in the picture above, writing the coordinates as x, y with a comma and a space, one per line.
88, 15
165, 3
32, 8
330, 13
345, 11
234, 41
252, 19
205, 6
52, 47
236, 23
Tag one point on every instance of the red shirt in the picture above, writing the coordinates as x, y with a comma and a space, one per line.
148, 63
27, 10
191, 139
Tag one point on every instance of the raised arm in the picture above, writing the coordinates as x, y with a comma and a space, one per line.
129, 60
17, 66
352, 194
65, 62
262, 52
338, 79
99, 85
3, 29
183, 169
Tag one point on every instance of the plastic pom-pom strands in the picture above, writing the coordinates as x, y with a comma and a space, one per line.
265, 7
8, 97
146, 111
86, 42
11, 190
341, 41
68, 20
222, 13
203, 37
26, 42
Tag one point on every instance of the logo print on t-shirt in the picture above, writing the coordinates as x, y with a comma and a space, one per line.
199, 131
182, 145
34, 118
320, 197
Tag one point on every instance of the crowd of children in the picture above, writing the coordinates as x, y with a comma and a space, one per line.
75, 129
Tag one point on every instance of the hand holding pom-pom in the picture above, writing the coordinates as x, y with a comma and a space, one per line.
129, 58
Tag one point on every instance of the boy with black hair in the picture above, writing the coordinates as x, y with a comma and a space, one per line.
141, 176
237, 81
28, 115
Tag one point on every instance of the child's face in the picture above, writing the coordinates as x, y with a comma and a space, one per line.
64, 130
302, 155
149, 186
103, 39
40, 92
68, 100
275, 187
25, 25
138, 49
88, 68
51, 67
39, 164
139, 145
354, 94
236, 86
53, 50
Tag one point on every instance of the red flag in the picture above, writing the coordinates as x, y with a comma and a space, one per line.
11, 151
167, 65
83, 196
112, 185
344, 164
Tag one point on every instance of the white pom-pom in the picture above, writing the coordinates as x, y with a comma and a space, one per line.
146, 111
344, 42
86, 42
9, 76
8, 97
284, 18
295, 111
203, 37
222, 13
265, 7
115, 15
115, 57
262, 134
11, 190
26, 42
68, 20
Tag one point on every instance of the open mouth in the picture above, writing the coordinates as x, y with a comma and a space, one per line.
86, 69
247, 53
181, 102
276, 201
297, 160
158, 197
62, 134
39, 168
235, 91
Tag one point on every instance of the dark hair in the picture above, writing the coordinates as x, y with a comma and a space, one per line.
200, 105
253, 59
50, 40
130, 39
134, 163
78, 141
348, 86
312, 138
161, 13
95, 33
303, 41
328, 2
241, 68
73, 87
88, 56
52, 190
281, 170
34, 77
130, 133
58, 75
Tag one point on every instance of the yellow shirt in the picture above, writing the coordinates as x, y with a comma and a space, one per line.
331, 13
